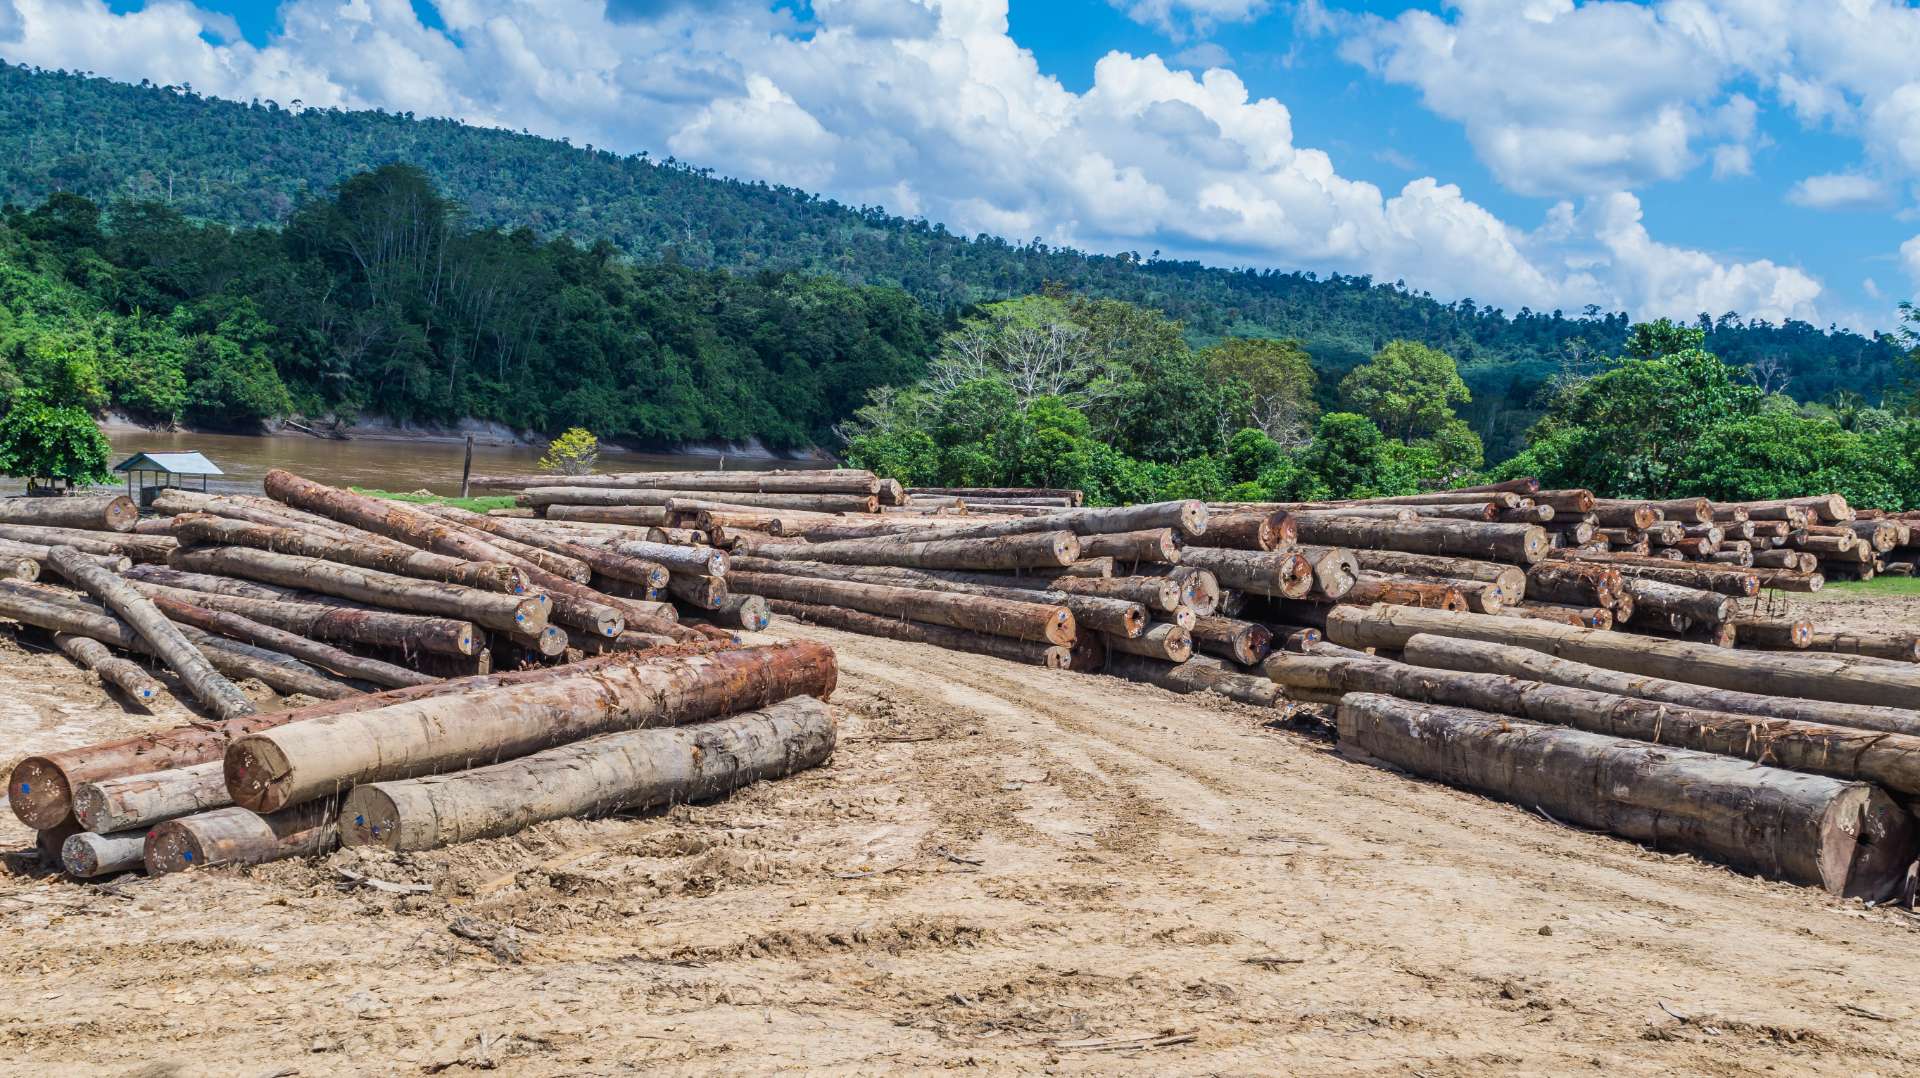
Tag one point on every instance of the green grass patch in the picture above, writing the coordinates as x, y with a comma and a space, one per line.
1877, 588
474, 505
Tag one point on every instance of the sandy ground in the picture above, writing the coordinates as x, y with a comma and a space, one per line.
1002, 869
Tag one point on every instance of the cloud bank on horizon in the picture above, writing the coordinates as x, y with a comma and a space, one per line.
931, 108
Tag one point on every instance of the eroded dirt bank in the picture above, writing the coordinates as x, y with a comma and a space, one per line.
1003, 868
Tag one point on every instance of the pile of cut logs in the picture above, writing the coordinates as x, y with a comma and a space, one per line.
336, 596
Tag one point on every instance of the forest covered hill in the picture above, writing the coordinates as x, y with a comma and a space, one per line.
257, 164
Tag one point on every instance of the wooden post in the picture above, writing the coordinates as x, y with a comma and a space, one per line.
466, 471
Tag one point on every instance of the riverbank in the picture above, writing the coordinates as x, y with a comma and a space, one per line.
483, 432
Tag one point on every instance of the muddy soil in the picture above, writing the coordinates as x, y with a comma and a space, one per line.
1002, 868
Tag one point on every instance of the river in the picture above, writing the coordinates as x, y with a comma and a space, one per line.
382, 463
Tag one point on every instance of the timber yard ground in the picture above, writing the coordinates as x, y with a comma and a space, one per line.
1002, 868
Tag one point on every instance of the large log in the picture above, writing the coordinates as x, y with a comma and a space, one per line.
173, 502
1001, 493
1036, 550
103, 544
1198, 674
997, 617
1099, 613
802, 481
235, 836
636, 769
1152, 545
1574, 583
122, 674
99, 513
1765, 632
387, 557
1899, 645
1659, 597
1162, 640
220, 696
1200, 589
86, 855
1030, 652
495, 610
1637, 516
1243, 642
1477, 656
1738, 583
38, 553
607, 561
539, 497
1511, 579
210, 584
1828, 508
1847, 837
1282, 574
633, 515
126, 802
1254, 530
411, 634
244, 629
1405, 591
287, 765
1521, 544
1806, 675
695, 558
40, 788
1335, 570
1591, 617
1891, 760
747, 612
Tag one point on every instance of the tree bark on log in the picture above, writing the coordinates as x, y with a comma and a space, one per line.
409, 633
1806, 675
1094, 612
1248, 531
1827, 508
1036, 550
1846, 837
697, 559
1476, 656
673, 500
130, 802
1405, 591
1784, 580
264, 511
1590, 617
748, 612
1154, 545
1196, 675
1030, 652
1162, 640
1659, 597
997, 617
39, 552
235, 836
88, 856
1282, 574
1784, 633
705, 592
1637, 516
1738, 583
1511, 579
784, 481
1243, 642
122, 674
1335, 570
100, 544
607, 561
1521, 544
246, 630
220, 696
636, 769
101, 513
1574, 583
1894, 644
41, 788
287, 765
631, 515
495, 610
387, 557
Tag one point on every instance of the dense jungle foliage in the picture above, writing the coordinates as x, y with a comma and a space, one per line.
261, 163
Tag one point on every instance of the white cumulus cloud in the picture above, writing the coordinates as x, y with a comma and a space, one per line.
1837, 191
930, 107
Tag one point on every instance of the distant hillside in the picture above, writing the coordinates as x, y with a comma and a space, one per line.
253, 164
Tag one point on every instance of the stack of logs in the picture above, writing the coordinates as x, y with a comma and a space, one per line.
322, 593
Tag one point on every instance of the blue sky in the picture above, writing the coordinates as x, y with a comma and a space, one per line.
1667, 158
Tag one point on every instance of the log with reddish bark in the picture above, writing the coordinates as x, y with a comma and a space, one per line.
388, 557
99, 513
333, 621
1162, 640
996, 617
100, 544
1478, 656
1094, 612
1512, 580
611, 561
495, 610
1636, 516
235, 836
1283, 574
1152, 545
684, 556
1591, 617
162, 637
1807, 675
634, 769
287, 765
1846, 837
1765, 632
1738, 583
1405, 591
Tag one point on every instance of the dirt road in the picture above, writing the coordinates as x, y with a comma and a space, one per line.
1002, 868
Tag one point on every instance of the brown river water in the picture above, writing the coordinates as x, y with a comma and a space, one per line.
382, 463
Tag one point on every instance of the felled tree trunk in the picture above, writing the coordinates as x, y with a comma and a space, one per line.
1511, 580
87, 855
384, 674
130, 802
637, 515
102, 513
1248, 531
1153, 545
1405, 591
1198, 674
636, 769
1162, 640
410, 633
1659, 597
101, 544
1030, 652
271, 769
747, 612
1521, 544
1243, 642
387, 557
1281, 574
128, 677
1846, 837
1000, 617
1095, 612
235, 836
1036, 550
220, 696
